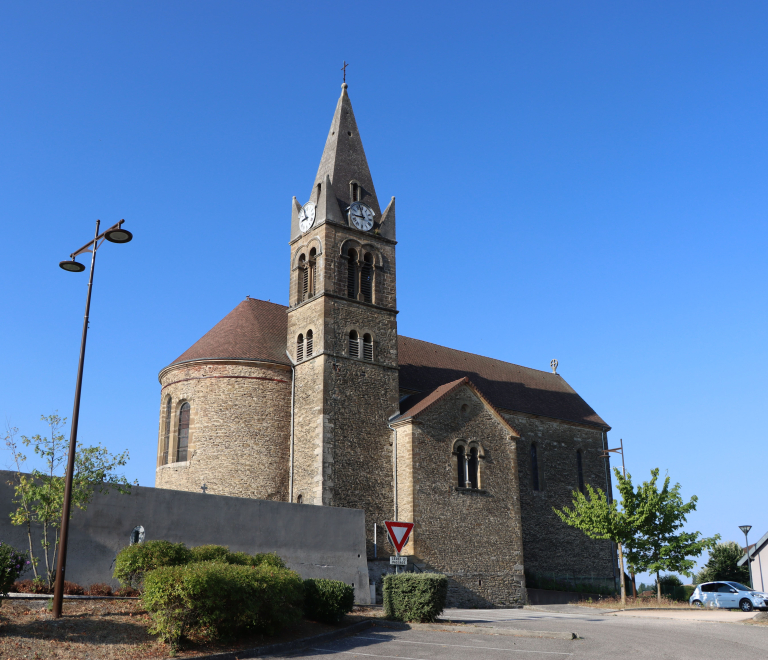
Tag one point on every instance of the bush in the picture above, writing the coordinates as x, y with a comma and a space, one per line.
327, 601
412, 597
13, 564
222, 554
36, 586
135, 561
99, 589
127, 592
209, 553
73, 589
209, 600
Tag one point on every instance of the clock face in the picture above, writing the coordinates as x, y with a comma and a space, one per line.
361, 216
307, 216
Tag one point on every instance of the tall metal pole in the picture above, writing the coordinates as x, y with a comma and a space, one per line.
749, 563
58, 591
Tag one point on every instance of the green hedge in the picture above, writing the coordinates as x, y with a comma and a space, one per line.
415, 597
205, 601
327, 601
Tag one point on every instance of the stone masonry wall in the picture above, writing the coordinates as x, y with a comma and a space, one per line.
474, 536
551, 547
239, 434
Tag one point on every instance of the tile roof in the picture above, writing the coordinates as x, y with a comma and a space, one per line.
257, 330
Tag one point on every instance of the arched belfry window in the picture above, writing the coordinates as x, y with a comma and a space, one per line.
354, 344
355, 191
367, 347
580, 470
303, 279
312, 284
534, 467
167, 434
183, 445
310, 337
461, 467
472, 468
366, 278
299, 348
352, 273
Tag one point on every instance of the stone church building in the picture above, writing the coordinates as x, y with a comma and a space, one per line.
323, 403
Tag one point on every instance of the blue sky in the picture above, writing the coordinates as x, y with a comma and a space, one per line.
580, 181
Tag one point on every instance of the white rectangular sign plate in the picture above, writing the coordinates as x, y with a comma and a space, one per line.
398, 561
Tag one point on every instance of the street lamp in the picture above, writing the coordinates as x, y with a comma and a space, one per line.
607, 454
745, 529
114, 234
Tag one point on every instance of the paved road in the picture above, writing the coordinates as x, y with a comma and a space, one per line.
603, 636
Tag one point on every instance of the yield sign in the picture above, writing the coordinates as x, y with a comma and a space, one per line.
399, 532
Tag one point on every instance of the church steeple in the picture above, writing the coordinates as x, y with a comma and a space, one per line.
344, 162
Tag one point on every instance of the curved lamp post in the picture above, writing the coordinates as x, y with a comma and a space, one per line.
115, 234
745, 529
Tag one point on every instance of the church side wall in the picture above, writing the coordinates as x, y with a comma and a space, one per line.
552, 548
239, 433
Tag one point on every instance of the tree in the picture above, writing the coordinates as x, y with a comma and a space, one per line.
40, 494
661, 545
723, 564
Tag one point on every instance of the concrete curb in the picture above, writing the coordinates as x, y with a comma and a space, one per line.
477, 629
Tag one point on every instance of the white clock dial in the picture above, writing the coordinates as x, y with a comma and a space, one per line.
361, 216
307, 216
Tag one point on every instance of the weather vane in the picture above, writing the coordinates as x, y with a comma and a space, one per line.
344, 69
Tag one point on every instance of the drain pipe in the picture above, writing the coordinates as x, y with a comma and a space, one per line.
293, 399
394, 463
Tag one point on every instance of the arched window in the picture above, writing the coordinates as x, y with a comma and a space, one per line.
167, 434
352, 273
309, 343
472, 465
535, 467
183, 446
303, 278
354, 191
299, 348
319, 189
300, 499
580, 470
366, 278
354, 344
461, 466
367, 347
312, 284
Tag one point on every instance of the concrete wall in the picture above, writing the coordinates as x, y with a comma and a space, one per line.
323, 542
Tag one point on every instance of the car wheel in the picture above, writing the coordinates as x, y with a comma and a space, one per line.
697, 603
746, 605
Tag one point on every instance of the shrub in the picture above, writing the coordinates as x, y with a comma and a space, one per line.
12, 565
415, 597
73, 589
36, 586
135, 561
327, 601
99, 589
127, 592
209, 600
222, 554
209, 553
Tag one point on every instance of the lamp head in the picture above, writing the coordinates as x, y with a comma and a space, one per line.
745, 528
118, 235
72, 266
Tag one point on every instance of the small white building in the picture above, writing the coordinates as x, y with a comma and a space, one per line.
757, 552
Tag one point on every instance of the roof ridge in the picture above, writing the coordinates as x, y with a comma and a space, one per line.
251, 298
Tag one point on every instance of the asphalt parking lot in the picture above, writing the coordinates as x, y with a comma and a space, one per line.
487, 635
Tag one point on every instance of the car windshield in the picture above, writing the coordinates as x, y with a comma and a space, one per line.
740, 587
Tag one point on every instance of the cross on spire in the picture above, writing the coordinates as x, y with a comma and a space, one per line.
344, 69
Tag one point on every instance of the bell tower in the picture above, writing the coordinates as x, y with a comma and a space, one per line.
342, 331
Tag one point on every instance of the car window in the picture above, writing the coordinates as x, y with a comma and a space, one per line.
739, 586
724, 588
709, 587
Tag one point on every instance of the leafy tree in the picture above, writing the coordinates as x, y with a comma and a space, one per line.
40, 494
723, 564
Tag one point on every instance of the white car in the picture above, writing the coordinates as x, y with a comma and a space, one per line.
728, 595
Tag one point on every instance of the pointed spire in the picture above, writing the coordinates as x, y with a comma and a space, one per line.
387, 222
344, 160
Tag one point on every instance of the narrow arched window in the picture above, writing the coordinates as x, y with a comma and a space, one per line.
183, 446
319, 189
580, 471
354, 191
461, 467
352, 274
310, 336
354, 344
300, 348
472, 465
366, 278
535, 467
367, 347
167, 434
303, 279
312, 285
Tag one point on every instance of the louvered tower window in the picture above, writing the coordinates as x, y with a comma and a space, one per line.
303, 277
366, 278
312, 272
167, 435
535, 467
461, 467
367, 348
309, 343
580, 471
354, 344
352, 274
300, 348
354, 191
183, 446
472, 465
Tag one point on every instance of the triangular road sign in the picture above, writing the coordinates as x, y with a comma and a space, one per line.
399, 533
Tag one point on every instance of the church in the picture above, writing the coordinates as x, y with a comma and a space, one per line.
324, 403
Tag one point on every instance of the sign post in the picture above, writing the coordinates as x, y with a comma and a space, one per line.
399, 533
